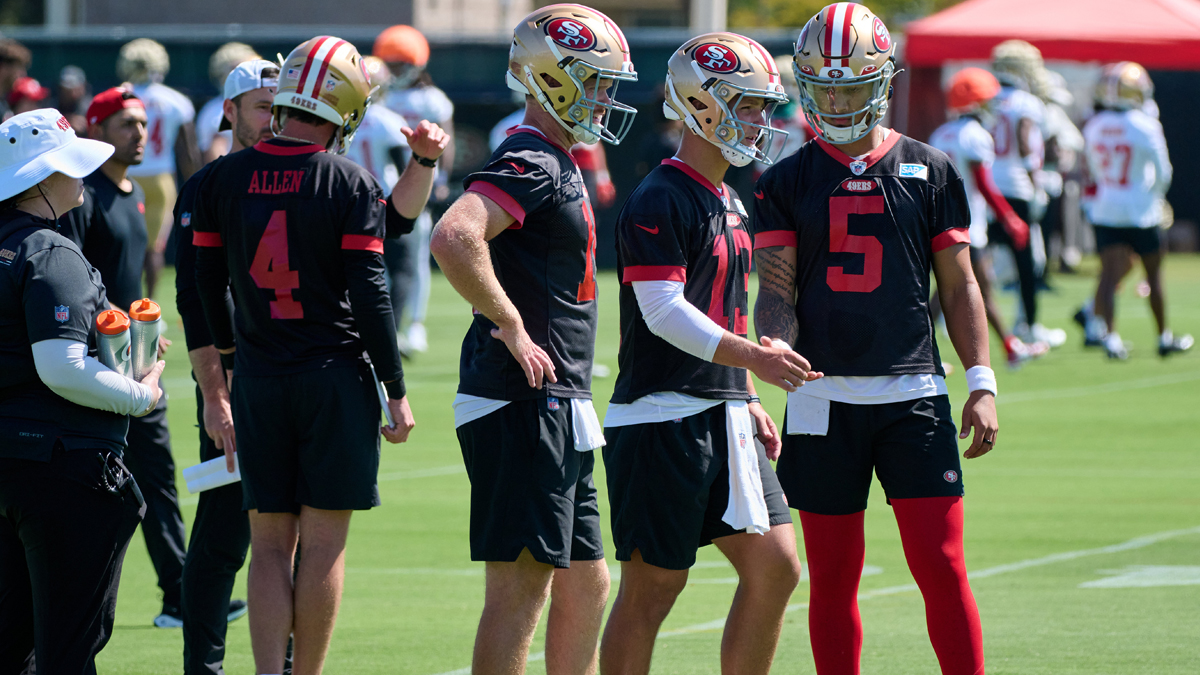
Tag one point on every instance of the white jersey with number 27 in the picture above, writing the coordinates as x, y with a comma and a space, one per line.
1127, 160
372, 144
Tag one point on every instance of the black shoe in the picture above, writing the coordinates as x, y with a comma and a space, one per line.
1081, 318
237, 609
1177, 344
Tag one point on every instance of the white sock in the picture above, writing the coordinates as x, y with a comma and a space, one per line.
1167, 337
1113, 341
1096, 328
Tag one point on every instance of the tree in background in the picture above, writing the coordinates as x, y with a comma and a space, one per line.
795, 13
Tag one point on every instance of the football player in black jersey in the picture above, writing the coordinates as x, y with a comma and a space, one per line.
846, 233
520, 246
298, 233
683, 465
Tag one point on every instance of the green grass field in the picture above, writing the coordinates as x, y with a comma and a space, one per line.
1083, 527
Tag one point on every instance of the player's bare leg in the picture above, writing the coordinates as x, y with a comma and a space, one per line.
1158, 303
1114, 264
644, 599
577, 599
273, 539
768, 571
319, 580
513, 600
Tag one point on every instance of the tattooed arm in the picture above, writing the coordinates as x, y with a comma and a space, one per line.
775, 308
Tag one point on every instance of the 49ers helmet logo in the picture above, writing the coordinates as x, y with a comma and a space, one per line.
883, 39
716, 58
571, 34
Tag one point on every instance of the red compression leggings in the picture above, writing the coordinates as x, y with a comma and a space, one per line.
931, 532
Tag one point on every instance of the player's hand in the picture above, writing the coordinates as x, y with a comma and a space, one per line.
403, 417
163, 343
782, 367
151, 380
606, 193
218, 424
979, 413
766, 433
533, 359
428, 140
1018, 231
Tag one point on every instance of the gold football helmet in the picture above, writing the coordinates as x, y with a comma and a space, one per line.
709, 78
1124, 86
844, 65
555, 51
142, 60
327, 78
1017, 63
378, 75
225, 59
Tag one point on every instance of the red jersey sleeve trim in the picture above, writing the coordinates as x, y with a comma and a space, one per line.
287, 150
208, 239
776, 238
502, 199
958, 235
362, 242
654, 273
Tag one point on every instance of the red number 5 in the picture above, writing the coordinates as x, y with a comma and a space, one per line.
270, 269
840, 241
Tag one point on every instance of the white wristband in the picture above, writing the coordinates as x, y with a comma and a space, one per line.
981, 377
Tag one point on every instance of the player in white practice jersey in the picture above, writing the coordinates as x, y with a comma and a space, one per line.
1127, 160
170, 143
412, 94
1020, 152
970, 146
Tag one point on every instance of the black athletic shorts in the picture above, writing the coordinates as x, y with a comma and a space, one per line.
668, 486
1143, 240
911, 445
530, 488
308, 439
996, 232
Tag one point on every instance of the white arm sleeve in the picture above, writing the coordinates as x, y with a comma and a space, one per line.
66, 368
671, 317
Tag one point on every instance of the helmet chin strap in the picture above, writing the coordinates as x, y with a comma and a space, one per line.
47, 200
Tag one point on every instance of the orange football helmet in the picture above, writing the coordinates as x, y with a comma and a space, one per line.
970, 90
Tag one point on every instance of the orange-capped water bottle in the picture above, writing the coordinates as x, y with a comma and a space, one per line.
143, 334
112, 341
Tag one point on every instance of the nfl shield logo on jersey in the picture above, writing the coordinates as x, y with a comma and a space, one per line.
857, 167
552, 403
62, 313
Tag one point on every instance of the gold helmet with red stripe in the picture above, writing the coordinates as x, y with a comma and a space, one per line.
710, 78
556, 51
844, 65
327, 78
1124, 86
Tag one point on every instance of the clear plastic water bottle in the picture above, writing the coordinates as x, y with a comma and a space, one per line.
143, 334
112, 341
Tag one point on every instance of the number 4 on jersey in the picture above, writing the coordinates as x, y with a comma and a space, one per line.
270, 269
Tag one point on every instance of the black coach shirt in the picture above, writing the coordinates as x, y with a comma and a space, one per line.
298, 234
677, 226
546, 263
110, 229
187, 297
865, 232
48, 291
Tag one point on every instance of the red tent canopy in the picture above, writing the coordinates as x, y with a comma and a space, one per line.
1159, 34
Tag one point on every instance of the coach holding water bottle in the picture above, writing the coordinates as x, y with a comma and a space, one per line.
68, 505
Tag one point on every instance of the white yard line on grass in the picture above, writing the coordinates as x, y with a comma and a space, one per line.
447, 470
1135, 543
1106, 388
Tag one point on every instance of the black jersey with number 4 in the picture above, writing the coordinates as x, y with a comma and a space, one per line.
546, 263
299, 232
677, 226
865, 232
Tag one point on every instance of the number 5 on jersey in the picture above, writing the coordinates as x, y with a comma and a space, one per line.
270, 269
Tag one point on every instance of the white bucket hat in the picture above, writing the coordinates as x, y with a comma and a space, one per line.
38, 143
